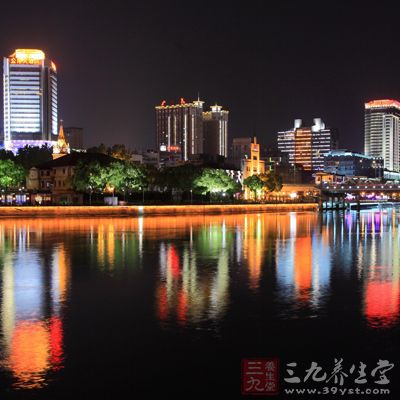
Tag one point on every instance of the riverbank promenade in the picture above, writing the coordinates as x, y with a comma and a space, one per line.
118, 211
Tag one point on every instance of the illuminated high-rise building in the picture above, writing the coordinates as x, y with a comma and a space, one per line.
30, 99
216, 132
382, 132
307, 146
179, 129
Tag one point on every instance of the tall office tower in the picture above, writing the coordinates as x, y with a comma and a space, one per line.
382, 137
179, 129
216, 132
307, 146
30, 99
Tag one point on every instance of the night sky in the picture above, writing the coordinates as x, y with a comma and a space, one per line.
266, 62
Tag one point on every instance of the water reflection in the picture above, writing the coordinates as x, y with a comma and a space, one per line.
303, 259
371, 239
198, 265
34, 285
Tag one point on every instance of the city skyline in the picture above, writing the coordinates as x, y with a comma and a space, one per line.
280, 74
199, 198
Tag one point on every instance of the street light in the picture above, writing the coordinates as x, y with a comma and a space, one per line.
191, 196
224, 195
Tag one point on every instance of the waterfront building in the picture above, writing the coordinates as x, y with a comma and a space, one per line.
382, 132
323, 178
74, 137
252, 165
179, 129
347, 163
307, 145
216, 132
30, 99
53, 180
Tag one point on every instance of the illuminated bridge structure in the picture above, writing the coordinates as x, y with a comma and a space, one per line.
359, 194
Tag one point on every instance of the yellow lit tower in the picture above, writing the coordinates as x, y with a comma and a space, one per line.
252, 165
61, 148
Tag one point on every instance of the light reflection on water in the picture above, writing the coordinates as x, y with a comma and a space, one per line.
197, 264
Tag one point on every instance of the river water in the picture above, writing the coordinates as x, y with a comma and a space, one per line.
172, 305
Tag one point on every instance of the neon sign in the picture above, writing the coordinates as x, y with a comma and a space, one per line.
27, 56
382, 103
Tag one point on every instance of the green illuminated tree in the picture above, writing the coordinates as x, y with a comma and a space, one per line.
90, 177
179, 178
272, 182
267, 181
215, 181
255, 184
12, 175
124, 176
119, 175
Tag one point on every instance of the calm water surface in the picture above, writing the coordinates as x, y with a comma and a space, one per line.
170, 305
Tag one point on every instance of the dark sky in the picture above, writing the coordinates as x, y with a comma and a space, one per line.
267, 62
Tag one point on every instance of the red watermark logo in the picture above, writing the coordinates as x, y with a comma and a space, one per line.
260, 376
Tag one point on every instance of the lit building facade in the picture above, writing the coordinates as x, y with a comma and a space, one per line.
30, 99
179, 129
53, 180
252, 165
347, 163
382, 132
216, 132
307, 146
